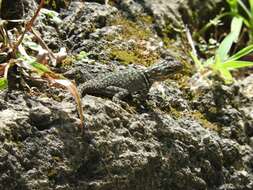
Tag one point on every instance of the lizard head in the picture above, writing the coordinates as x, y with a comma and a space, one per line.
163, 69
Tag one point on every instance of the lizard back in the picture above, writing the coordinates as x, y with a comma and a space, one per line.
132, 80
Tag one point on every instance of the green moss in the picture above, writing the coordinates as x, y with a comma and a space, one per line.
131, 29
204, 122
124, 56
167, 41
67, 62
51, 173
175, 113
136, 55
137, 51
146, 19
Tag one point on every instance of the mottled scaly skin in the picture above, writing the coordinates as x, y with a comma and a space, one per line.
121, 84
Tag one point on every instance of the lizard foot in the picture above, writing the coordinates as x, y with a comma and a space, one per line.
120, 102
123, 104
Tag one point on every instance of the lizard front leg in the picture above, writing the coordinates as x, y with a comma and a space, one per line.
118, 94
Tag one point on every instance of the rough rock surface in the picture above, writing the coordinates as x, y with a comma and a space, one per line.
175, 142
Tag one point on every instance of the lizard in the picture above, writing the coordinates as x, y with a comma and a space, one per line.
119, 85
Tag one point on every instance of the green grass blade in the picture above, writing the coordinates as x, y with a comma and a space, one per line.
211, 23
241, 53
225, 47
32, 45
221, 71
230, 65
40, 67
251, 8
196, 61
233, 6
226, 75
217, 63
236, 26
244, 7
232, 37
246, 22
208, 62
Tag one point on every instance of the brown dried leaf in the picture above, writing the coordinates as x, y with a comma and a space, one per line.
73, 90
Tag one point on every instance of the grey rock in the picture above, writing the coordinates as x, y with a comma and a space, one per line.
13, 12
162, 145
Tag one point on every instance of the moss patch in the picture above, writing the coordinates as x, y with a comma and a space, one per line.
132, 29
136, 55
137, 37
204, 122
124, 56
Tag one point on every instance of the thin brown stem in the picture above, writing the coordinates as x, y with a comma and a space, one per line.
42, 43
28, 25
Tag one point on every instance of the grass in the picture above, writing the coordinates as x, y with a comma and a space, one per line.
240, 9
237, 8
222, 63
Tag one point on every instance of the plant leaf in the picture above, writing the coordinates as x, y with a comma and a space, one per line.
4, 68
233, 6
236, 26
40, 67
31, 64
73, 90
3, 83
232, 37
241, 53
217, 63
251, 8
244, 7
222, 72
225, 46
226, 75
54, 78
196, 61
208, 62
32, 45
236, 64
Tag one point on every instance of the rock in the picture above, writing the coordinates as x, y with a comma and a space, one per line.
249, 129
179, 140
13, 12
